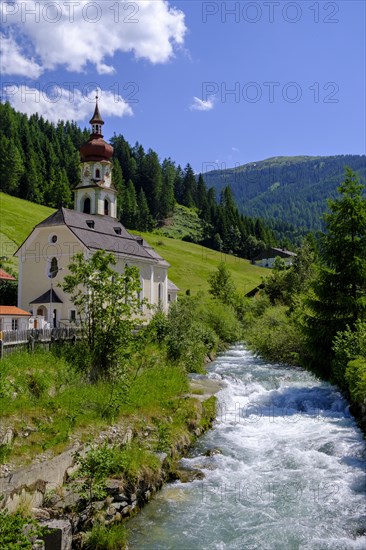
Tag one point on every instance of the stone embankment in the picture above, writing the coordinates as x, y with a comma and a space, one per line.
47, 489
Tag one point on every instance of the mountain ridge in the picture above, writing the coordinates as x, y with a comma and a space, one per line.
293, 189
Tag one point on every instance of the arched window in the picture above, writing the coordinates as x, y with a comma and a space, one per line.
86, 207
159, 293
53, 268
106, 207
97, 174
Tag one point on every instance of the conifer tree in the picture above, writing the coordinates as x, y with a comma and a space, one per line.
11, 166
144, 221
340, 288
189, 187
167, 193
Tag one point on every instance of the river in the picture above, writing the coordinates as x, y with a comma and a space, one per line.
291, 475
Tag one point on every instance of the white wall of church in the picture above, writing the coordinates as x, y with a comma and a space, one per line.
35, 259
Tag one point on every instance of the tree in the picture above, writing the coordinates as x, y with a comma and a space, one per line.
129, 206
339, 298
222, 285
167, 193
189, 187
108, 306
145, 220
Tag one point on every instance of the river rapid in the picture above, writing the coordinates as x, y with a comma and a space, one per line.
292, 473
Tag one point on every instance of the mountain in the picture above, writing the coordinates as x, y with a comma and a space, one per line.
289, 191
40, 162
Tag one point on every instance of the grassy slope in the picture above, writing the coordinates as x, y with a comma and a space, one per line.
190, 263
17, 219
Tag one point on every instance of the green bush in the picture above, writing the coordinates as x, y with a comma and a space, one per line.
222, 320
131, 462
106, 538
276, 336
355, 376
14, 533
347, 345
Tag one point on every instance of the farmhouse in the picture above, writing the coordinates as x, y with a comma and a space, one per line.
93, 225
268, 256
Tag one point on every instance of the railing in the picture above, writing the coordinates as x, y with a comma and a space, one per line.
12, 339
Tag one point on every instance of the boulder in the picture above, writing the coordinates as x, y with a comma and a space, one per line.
40, 514
213, 452
59, 536
186, 476
113, 487
128, 436
7, 437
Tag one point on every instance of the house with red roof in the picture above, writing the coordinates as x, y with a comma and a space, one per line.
13, 318
5, 276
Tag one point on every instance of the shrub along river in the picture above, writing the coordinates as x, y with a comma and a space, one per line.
291, 473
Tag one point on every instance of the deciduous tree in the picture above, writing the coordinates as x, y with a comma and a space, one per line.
108, 306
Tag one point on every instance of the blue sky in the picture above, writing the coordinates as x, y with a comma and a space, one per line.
216, 84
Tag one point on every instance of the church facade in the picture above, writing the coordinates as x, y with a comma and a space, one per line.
45, 255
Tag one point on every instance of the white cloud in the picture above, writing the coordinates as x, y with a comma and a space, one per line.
76, 33
61, 104
14, 62
202, 105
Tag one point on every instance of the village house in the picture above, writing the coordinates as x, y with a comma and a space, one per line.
13, 318
268, 256
45, 255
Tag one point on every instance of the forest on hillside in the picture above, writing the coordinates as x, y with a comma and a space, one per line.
290, 193
40, 163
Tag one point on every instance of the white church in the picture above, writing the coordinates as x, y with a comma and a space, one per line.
45, 255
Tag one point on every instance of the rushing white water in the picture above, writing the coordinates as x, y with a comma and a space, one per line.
291, 474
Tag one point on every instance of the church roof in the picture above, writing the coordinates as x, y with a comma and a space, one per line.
98, 232
96, 118
96, 149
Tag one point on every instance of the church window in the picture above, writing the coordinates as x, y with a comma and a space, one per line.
86, 207
54, 239
106, 207
53, 268
97, 174
159, 293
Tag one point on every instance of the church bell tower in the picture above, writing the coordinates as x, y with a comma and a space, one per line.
96, 194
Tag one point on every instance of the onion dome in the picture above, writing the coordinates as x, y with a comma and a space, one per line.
96, 149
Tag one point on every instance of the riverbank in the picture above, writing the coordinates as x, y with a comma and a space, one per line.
53, 492
289, 471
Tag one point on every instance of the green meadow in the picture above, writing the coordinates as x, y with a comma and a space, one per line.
190, 263
17, 219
